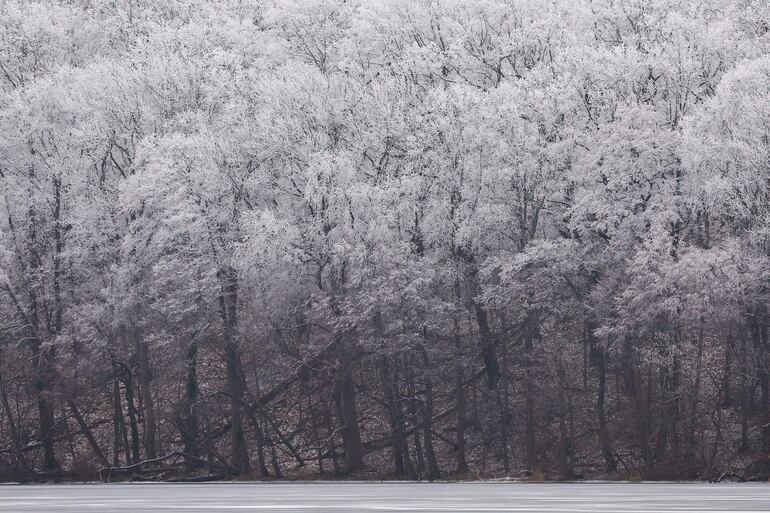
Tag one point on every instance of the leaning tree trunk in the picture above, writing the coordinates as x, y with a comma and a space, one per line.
86, 432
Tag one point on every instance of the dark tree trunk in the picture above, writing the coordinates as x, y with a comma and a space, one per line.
148, 419
86, 432
462, 463
638, 414
604, 435
427, 426
414, 406
504, 405
530, 440
235, 386
132, 414
351, 435
695, 399
21, 462
401, 460
316, 433
744, 445
118, 425
189, 418
487, 347
429, 461
260, 431
41, 358
45, 412
759, 338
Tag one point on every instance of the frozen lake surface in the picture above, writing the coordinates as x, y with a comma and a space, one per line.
335, 497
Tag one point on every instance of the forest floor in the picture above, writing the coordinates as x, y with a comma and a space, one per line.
321, 497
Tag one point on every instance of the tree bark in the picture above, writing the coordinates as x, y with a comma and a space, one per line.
128, 380
14, 432
118, 425
351, 435
86, 432
145, 380
604, 435
401, 461
488, 353
189, 418
235, 385
462, 462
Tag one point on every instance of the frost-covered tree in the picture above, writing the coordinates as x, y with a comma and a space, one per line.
419, 238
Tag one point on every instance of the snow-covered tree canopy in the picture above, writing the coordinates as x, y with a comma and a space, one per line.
419, 237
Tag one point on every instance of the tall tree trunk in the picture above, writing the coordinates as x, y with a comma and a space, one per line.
504, 405
695, 399
744, 445
462, 462
315, 433
41, 358
260, 430
759, 338
189, 419
330, 432
235, 383
401, 461
118, 425
45, 412
351, 435
639, 417
145, 380
604, 435
427, 418
487, 347
427, 426
414, 407
530, 440
128, 380
676, 402
21, 462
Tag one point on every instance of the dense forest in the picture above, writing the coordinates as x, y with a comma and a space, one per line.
412, 239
